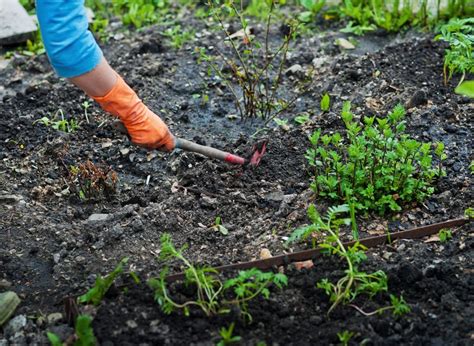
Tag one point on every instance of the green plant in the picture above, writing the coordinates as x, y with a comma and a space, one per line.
301, 119
64, 125
469, 213
466, 88
8, 303
210, 292
312, 7
445, 235
325, 102
325, 230
102, 285
254, 66
377, 166
177, 36
344, 337
86, 106
84, 333
34, 46
219, 227
139, 12
251, 283
459, 58
227, 337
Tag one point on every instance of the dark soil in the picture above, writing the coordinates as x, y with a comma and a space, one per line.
50, 248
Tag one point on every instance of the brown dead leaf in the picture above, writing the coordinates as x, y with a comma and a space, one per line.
432, 239
265, 254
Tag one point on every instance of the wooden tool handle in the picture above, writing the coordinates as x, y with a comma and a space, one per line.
209, 151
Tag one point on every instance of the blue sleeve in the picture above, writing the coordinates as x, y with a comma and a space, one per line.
70, 46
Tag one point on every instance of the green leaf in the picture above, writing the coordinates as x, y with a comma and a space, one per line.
466, 89
84, 331
54, 339
325, 103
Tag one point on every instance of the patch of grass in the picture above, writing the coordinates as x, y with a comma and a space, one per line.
445, 235
376, 165
227, 336
83, 330
178, 36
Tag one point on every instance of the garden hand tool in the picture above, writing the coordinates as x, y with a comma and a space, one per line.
252, 160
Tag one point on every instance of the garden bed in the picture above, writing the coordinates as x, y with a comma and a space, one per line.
53, 245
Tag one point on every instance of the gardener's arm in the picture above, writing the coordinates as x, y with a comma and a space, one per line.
75, 55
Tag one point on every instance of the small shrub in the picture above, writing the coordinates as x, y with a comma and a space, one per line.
376, 166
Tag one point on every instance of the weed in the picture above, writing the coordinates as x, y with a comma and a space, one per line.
227, 337
301, 119
344, 337
64, 125
90, 180
86, 104
459, 58
102, 285
84, 333
177, 36
445, 235
325, 103
210, 290
377, 167
217, 226
469, 213
325, 234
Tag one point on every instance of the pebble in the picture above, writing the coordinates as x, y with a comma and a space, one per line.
5, 283
132, 324
80, 259
97, 218
15, 325
54, 318
343, 43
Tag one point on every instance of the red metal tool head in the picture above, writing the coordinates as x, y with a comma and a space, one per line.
258, 151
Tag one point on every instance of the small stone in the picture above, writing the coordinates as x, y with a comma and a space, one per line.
97, 218
345, 44
15, 325
54, 318
295, 69
56, 258
124, 151
387, 255
265, 253
80, 259
276, 196
419, 98
401, 247
10, 199
5, 283
132, 324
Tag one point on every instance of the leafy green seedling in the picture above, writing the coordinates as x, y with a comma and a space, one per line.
84, 333
251, 283
344, 337
177, 36
354, 282
445, 235
102, 285
211, 295
227, 337
219, 227
64, 125
469, 213
301, 119
86, 106
325, 103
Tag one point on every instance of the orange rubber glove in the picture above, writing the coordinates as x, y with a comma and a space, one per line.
144, 127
